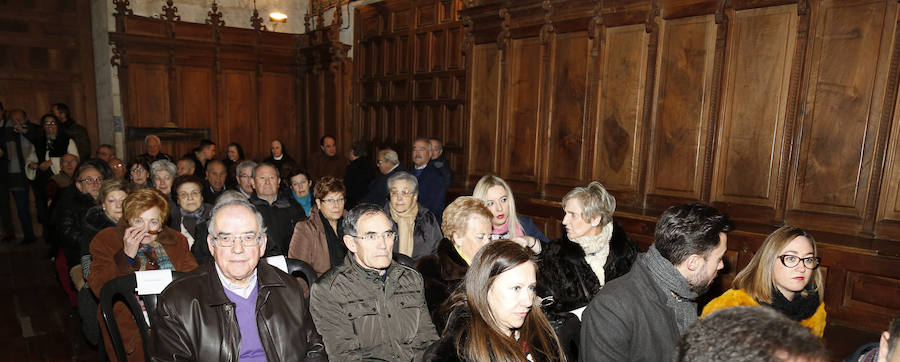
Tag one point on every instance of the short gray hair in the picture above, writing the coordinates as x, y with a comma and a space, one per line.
245, 164
163, 165
221, 204
403, 175
150, 137
595, 200
390, 155
351, 221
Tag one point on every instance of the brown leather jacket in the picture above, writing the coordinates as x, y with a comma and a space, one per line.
195, 320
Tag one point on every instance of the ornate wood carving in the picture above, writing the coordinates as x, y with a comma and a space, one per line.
170, 11
547, 28
122, 7
503, 37
256, 22
214, 16
718, 64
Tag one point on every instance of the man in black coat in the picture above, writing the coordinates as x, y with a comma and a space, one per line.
358, 175
388, 164
440, 162
278, 213
432, 186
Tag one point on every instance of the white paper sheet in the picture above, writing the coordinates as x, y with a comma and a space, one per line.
578, 312
278, 261
152, 281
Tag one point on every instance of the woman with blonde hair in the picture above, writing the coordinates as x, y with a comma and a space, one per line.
495, 313
506, 222
467, 228
784, 274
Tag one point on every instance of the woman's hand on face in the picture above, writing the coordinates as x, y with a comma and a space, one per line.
133, 237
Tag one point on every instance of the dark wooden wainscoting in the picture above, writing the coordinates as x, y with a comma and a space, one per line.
246, 86
775, 111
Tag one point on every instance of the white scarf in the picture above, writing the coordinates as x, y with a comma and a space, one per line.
596, 249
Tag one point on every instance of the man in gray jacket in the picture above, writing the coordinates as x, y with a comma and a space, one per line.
370, 308
640, 316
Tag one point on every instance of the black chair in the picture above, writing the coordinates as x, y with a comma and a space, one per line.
122, 289
405, 260
300, 268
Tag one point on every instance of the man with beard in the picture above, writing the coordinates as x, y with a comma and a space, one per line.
640, 316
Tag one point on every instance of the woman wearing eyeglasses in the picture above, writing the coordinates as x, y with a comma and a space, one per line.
318, 240
784, 274
140, 241
138, 173
417, 228
191, 210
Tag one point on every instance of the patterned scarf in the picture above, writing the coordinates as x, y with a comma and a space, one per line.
679, 295
406, 222
596, 250
153, 255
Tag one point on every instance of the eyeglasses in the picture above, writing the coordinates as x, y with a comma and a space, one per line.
50, 123
380, 162
192, 194
791, 261
90, 180
387, 235
118, 165
404, 193
336, 201
227, 240
138, 171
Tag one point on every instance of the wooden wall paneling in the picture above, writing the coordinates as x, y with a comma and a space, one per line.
148, 99
195, 98
522, 130
828, 190
570, 136
752, 147
678, 142
277, 112
238, 111
484, 125
619, 118
888, 221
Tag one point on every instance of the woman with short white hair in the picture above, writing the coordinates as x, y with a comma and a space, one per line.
418, 231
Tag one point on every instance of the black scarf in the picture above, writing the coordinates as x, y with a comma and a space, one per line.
334, 238
797, 309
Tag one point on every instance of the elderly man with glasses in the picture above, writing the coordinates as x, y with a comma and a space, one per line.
369, 307
235, 308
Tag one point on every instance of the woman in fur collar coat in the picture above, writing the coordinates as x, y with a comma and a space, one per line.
573, 269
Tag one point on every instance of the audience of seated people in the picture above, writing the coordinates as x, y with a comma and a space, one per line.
484, 274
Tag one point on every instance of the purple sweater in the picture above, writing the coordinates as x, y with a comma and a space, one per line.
245, 310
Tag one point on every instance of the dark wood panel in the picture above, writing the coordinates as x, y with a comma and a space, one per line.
752, 140
522, 123
848, 60
148, 99
238, 111
195, 98
680, 125
569, 133
483, 109
277, 112
619, 123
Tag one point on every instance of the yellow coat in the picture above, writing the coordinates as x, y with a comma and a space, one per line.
738, 297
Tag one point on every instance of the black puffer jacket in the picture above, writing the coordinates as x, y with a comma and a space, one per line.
67, 214
564, 273
279, 217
